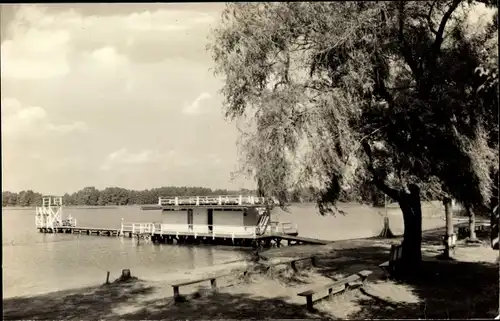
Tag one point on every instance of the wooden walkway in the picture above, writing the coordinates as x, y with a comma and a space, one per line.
266, 240
302, 240
82, 230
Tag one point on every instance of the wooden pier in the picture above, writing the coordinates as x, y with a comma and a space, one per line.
259, 230
82, 230
144, 231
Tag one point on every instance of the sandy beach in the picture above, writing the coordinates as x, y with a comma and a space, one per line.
464, 288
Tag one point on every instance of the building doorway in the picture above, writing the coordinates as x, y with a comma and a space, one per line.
190, 219
210, 220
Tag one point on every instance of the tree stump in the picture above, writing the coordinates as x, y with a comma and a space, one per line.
125, 275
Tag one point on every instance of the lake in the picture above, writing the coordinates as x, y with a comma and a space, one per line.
35, 263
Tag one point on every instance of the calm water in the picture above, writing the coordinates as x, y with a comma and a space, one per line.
35, 262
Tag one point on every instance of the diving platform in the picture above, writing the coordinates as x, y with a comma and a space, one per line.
50, 215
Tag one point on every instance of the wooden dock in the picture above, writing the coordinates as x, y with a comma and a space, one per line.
82, 230
266, 240
265, 233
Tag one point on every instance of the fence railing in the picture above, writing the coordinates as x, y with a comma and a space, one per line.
204, 229
282, 227
189, 229
211, 200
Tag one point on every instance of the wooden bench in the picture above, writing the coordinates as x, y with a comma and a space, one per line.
293, 262
390, 267
339, 285
212, 279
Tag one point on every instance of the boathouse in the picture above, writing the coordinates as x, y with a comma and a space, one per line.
233, 216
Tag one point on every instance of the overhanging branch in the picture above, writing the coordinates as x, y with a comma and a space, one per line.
436, 46
379, 183
405, 49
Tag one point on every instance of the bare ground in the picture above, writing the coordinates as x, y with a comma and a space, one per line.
466, 287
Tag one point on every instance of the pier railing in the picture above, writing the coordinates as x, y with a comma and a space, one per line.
211, 200
282, 227
186, 229
138, 228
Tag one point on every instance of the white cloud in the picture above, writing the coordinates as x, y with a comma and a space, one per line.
160, 160
108, 56
31, 121
124, 157
194, 107
45, 49
159, 20
35, 54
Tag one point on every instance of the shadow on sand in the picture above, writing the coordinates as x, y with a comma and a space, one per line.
129, 301
442, 288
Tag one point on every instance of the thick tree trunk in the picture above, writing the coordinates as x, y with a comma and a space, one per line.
450, 232
472, 224
412, 239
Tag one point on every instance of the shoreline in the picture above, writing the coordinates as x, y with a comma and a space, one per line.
273, 294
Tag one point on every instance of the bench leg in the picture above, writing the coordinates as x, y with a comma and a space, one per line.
294, 267
176, 293
213, 283
309, 304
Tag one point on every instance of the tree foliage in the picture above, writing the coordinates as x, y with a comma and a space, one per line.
90, 196
342, 94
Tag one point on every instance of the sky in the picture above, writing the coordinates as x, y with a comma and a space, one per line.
112, 95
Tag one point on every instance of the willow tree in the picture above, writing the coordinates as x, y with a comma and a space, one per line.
343, 94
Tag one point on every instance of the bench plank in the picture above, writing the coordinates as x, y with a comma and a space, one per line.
207, 278
385, 264
365, 274
212, 279
293, 262
329, 286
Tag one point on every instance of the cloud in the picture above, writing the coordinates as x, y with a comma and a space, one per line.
32, 121
124, 157
35, 54
194, 107
162, 161
43, 44
108, 56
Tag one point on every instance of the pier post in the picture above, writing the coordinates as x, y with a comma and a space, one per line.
107, 278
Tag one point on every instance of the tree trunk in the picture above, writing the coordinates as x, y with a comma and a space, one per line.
412, 238
472, 224
495, 231
448, 238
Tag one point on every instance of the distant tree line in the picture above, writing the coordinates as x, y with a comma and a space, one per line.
91, 196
